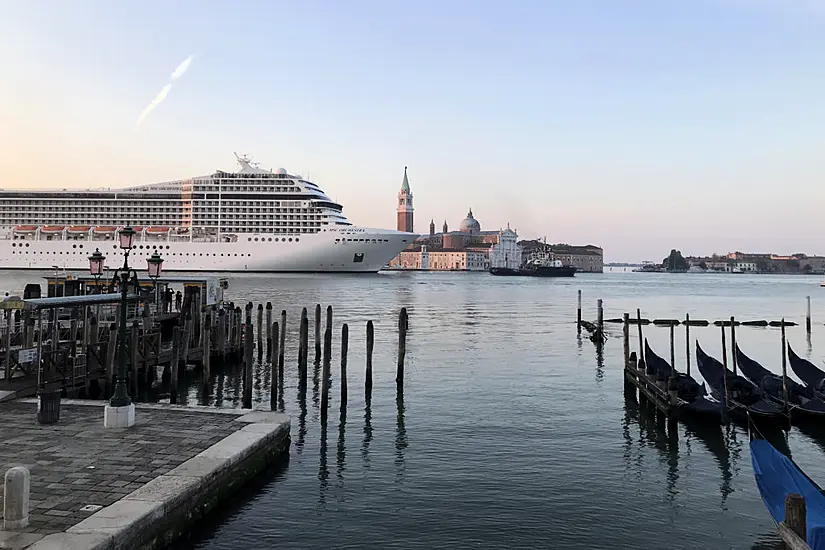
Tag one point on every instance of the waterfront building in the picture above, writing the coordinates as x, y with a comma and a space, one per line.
587, 259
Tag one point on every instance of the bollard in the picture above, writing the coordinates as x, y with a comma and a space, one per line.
16, 488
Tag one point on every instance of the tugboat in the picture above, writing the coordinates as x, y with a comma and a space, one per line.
540, 264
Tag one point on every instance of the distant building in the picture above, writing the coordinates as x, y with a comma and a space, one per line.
587, 259
473, 249
405, 206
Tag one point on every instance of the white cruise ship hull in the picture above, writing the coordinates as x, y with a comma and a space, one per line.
345, 250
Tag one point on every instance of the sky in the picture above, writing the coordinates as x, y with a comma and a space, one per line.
635, 125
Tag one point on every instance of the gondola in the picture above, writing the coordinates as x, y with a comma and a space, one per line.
801, 400
691, 395
813, 376
744, 397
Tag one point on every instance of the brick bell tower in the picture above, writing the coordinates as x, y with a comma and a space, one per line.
405, 206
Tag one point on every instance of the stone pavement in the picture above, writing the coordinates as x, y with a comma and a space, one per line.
77, 466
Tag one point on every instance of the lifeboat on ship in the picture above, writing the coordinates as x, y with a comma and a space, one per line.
52, 229
79, 229
156, 230
137, 228
25, 229
105, 229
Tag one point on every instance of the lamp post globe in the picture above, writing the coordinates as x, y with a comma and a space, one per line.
154, 265
96, 261
127, 235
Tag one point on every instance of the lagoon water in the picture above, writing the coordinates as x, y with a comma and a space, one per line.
512, 433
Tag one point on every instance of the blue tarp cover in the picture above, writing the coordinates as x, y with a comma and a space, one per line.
776, 476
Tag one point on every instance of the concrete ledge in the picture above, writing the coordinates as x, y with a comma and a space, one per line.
157, 513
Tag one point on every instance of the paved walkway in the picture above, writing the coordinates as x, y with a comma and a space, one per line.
77, 466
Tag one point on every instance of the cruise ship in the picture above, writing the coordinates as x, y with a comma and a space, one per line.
252, 220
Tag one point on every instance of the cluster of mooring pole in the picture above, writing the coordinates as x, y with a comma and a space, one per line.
271, 343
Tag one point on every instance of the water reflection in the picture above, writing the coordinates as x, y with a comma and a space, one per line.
365, 445
599, 363
302, 420
341, 455
323, 470
316, 377
713, 438
400, 438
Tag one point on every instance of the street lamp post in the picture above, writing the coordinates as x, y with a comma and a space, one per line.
121, 394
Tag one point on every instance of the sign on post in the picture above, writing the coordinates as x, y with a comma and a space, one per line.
27, 355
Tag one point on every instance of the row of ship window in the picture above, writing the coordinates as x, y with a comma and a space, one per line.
363, 240
146, 253
283, 239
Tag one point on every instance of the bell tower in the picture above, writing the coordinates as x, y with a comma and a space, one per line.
405, 206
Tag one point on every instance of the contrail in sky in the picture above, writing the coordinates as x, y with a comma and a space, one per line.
179, 72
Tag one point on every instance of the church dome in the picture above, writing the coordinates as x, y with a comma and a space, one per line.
470, 224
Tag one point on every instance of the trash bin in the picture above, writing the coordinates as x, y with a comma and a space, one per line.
48, 407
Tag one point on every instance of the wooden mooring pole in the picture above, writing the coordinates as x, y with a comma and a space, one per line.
282, 345
725, 365
626, 339
402, 348
260, 342
807, 316
317, 333
269, 331
370, 345
784, 366
733, 359
579, 314
687, 341
796, 517
641, 342
273, 379
326, 375
303, 344
344, 349
247, 367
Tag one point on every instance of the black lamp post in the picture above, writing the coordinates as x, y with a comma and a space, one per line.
120, 398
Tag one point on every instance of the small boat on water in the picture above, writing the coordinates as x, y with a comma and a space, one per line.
690, 394
810, 374
744, 399
777, 476
801, 400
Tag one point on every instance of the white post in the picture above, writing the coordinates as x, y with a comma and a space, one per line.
16, 498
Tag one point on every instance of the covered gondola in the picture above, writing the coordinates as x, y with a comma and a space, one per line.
813, 376
691, 395
801, 399
744, 398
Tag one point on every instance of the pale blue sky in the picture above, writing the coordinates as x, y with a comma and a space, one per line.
638, 125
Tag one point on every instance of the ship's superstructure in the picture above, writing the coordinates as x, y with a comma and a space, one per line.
250, 220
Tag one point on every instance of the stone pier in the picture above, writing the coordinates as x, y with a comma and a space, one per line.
97, 488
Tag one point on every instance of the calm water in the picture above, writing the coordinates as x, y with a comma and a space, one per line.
512, 432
